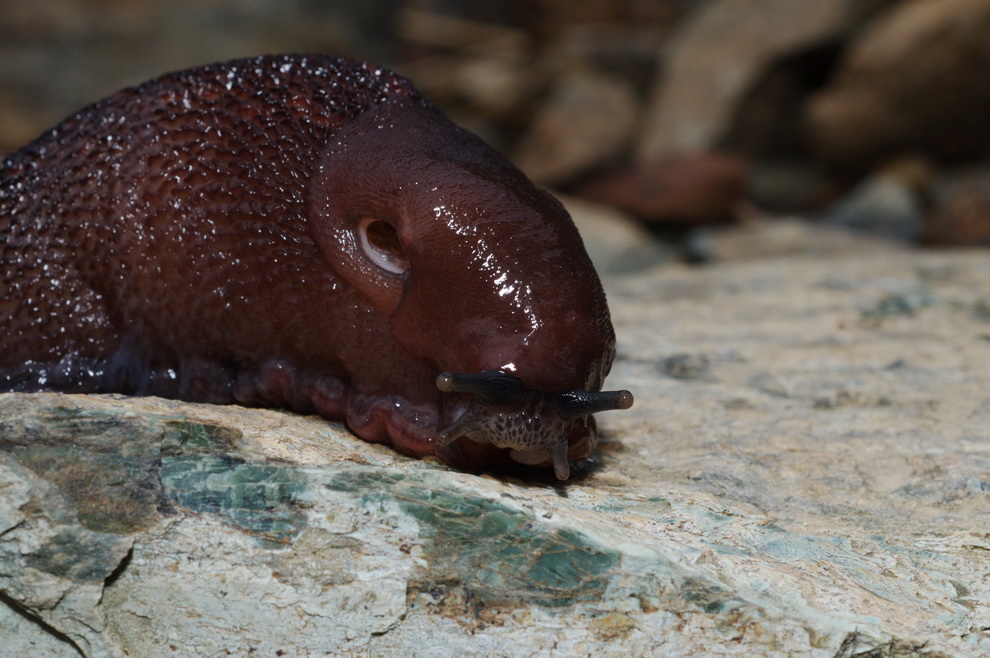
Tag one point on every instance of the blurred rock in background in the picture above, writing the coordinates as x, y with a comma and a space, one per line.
681, 191
917, 79
58, 55
677, 112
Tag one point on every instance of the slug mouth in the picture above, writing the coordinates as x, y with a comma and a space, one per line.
535, 427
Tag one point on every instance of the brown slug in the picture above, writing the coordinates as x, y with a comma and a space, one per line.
304, 231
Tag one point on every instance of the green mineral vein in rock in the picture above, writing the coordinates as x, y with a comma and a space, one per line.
105, 464
261, 498
501, 554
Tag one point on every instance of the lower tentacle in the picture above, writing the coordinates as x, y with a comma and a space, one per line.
535, 427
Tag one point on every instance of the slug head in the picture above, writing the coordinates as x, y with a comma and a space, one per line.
475, 269
535, 426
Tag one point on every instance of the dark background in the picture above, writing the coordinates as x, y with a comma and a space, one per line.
872, 114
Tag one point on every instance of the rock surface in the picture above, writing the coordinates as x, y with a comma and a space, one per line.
806, 471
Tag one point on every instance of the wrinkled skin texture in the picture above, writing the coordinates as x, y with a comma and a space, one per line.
299, 231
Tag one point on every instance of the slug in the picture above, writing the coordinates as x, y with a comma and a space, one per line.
305, 232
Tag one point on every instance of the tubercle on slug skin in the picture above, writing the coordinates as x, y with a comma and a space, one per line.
283, 231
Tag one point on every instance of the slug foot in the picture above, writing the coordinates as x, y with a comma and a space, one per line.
536, 427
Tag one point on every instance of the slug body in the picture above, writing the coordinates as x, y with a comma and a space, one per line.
307, 232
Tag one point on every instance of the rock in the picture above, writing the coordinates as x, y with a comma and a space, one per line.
719, 56
961, 214
963, 221
586, 119
684, 191
625, 49
775, 237
879, 204
686, 366
790, 186
617, 243
816, 485
889, 203
478, 72
59, 55
915, 80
